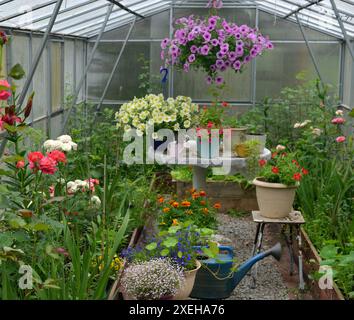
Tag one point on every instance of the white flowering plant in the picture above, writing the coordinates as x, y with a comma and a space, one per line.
62, 143
152, 280
155, 111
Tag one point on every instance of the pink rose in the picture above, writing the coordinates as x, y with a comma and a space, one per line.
338, 120
4, 94
340, 139
47, 165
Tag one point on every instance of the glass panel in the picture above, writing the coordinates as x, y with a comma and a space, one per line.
56, 126
280, 29
80, 66
279, 68
56, 74
69, 72
40, 83
155, 27
125, 84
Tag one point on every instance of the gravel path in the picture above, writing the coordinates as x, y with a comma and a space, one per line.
270, 285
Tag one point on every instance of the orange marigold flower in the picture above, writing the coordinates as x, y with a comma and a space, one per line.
175, 204
174, 222
202, 193
203, 202
161, 200
205, 210
165, 210
217, 205
185, 204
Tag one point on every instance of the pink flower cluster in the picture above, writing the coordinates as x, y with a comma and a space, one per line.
47, 164
214, 45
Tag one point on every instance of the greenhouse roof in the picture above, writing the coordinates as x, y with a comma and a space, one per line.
84, 17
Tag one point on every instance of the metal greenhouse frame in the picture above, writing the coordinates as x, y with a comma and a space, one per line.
88, 20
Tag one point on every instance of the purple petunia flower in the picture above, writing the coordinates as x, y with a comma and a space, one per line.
239, 43
238, 35
237, 65
208, 80
239, 51
186, 67
207, 36
227, 64
232, 56
220, 55
253, 52
219, 64
164, 43
212, 21
194, 49
270, 45
219, 80
204, 50
191, 58
213, 67
247, 59
244, 29
214, 42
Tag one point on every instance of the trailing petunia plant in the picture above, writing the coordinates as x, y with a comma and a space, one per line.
213, 45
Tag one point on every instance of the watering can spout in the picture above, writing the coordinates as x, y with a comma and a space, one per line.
245, 267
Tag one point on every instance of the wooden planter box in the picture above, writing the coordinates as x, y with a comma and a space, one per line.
228, 193
311, 264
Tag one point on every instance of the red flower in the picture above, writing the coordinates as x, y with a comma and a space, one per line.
10, 116
275, 170
297, 176
20, 164
262, 162
274, 154
202, 193
57, 156
210, 124
47, 165
4, 93
224, 104
34, 158
304, 171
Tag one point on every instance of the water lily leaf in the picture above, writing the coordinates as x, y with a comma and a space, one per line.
151, 246
17, 72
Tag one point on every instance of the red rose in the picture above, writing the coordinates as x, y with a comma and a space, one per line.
297, 176
57, 156
275, 170
47, 165
262, 162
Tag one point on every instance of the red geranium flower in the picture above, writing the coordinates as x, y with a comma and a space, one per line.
297, 176
275, 170
274, 154
262, 162
20, 164
225, 104
304, 171
34, 158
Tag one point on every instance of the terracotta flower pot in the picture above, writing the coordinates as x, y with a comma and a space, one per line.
190, 275
275, 200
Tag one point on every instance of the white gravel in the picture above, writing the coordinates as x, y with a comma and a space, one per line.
270, 285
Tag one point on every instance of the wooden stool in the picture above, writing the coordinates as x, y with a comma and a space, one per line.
294, 220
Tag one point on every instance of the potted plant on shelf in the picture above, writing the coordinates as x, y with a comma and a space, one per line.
277, 182
155, 279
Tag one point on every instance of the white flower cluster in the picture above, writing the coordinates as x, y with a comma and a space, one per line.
154, 110
153, 279
83, 186
62, 143
302, 124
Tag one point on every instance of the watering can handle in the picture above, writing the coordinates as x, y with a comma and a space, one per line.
228, 249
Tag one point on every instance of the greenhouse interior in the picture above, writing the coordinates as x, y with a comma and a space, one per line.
208, 141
